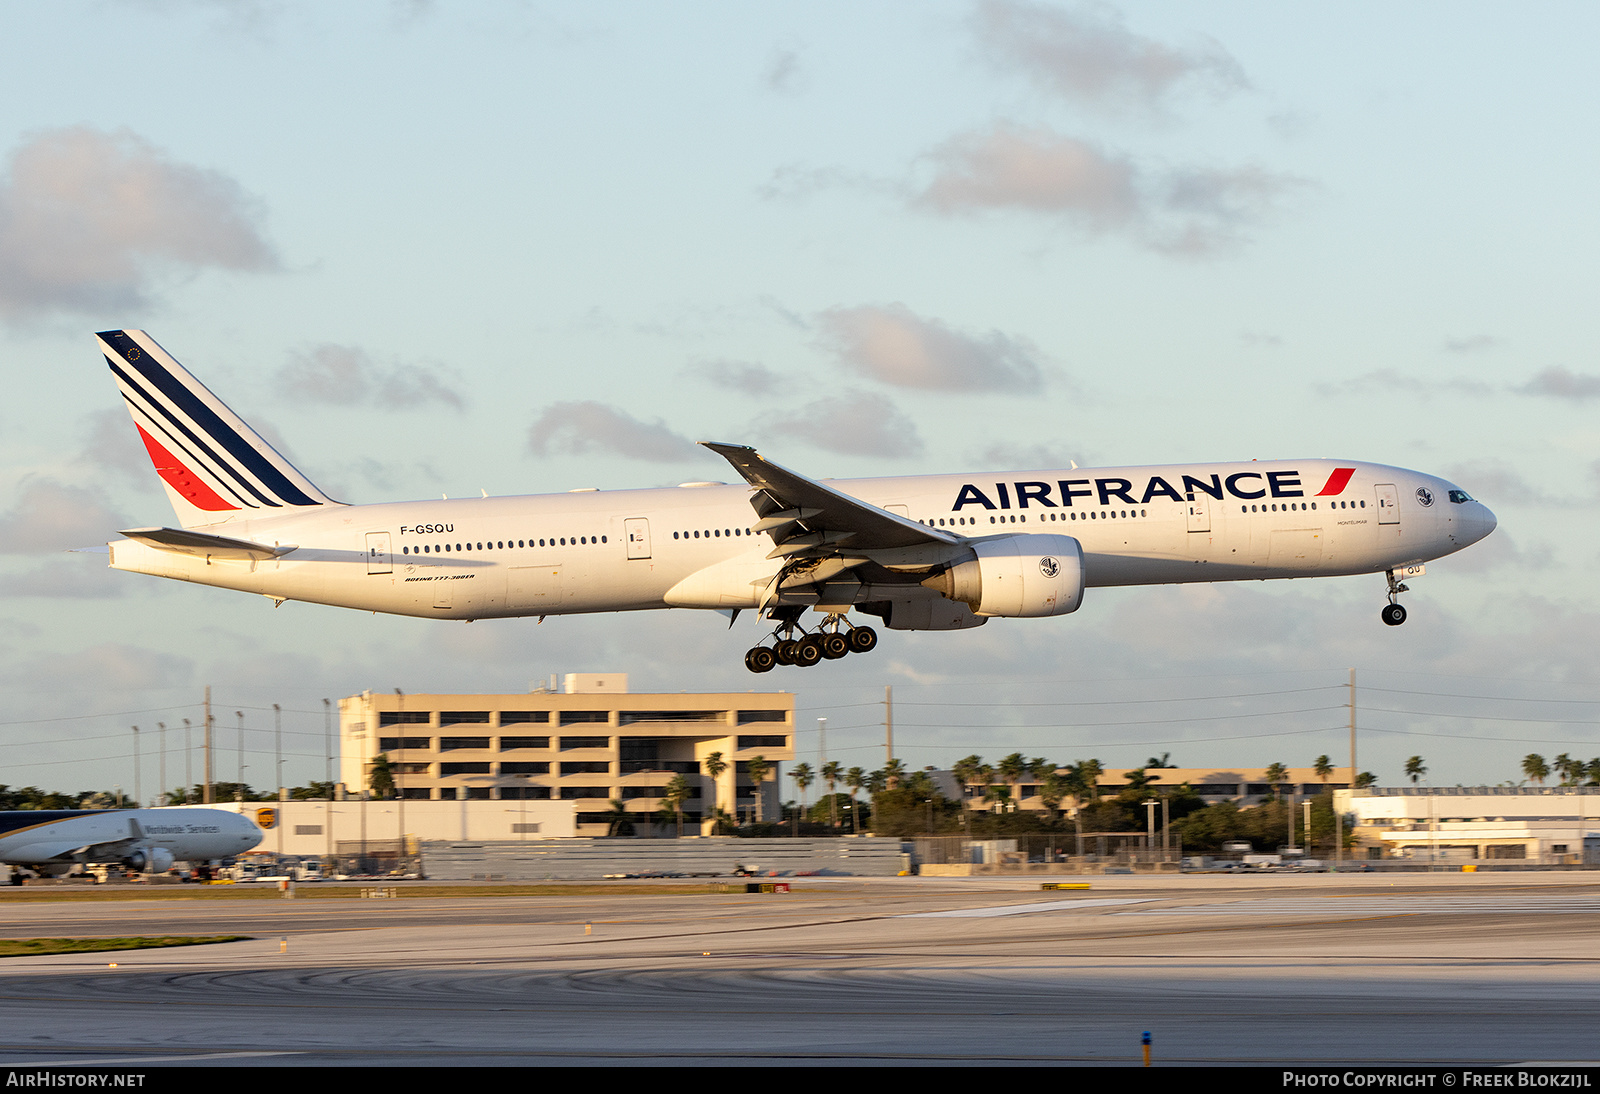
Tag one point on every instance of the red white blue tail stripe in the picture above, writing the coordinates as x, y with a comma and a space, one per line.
214, 466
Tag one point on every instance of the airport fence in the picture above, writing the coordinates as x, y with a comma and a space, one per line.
1089, 848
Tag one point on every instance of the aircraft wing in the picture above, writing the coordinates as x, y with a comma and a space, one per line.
202, 545
810, 519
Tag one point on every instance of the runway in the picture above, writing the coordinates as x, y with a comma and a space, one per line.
1445, 969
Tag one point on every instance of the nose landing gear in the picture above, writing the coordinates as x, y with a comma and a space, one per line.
837, 638
1393, 613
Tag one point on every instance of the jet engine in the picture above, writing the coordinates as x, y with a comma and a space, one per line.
1019, 577
149, 860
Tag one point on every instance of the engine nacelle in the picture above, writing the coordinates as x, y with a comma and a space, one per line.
1020, 577
149, 860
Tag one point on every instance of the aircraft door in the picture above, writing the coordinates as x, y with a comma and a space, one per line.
379, 560
1388, 503
1199, 514
636, 530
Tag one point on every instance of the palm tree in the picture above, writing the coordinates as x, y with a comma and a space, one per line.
1324, 769
803, 777
1415, 769
1534, 767
855, 779
714, 766
1052, 788
1162, 762
830, 775
893, 772
1277, 775
1089, 772
1563, 765
673, 799
621, 824
1012, 768
966, 772
380, 779
758, 768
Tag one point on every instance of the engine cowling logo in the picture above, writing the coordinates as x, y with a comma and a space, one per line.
1049, 567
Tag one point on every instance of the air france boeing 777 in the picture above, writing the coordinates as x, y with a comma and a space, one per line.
927, 552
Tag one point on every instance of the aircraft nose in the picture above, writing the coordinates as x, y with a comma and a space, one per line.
1485, 522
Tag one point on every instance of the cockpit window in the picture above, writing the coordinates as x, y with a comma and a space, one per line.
1459, 496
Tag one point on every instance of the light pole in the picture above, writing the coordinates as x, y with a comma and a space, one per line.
1150, 824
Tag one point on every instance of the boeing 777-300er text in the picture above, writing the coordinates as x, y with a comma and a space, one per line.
926, 552
54, 841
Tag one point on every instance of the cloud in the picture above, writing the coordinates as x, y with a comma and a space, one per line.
1499, 552
347, 376
50, 516
1188, 210
81, 577
1389, 379
1473, 344
783, 74
580, 427
1495, 484
110, 667
91, 221
1561, 383
1033, 169
895, 346
1020, 456
111, 443
853, 423
741, 376
1088, 56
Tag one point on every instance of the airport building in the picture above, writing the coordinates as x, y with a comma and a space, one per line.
1538, 825
588, 744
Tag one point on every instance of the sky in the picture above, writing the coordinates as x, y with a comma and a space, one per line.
525, 247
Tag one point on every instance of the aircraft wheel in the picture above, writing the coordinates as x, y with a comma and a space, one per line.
835, 646
1394, 614
760, 659
808, 651
863, 639
783, 652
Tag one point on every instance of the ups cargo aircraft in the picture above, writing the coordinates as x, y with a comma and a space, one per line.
926, 552
55, 841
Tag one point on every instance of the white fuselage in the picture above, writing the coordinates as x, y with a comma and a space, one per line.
690, 546
184, 833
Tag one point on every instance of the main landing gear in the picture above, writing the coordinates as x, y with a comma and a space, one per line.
1393, 613
837, 639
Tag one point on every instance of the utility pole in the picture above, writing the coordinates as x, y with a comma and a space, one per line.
136, 796
239, 714
1353, 769
888, 724
327, 748
188, 759
277, 766
400, 794
161, 743
205, 796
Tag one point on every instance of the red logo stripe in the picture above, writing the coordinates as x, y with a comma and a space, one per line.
1337, 481
180, 478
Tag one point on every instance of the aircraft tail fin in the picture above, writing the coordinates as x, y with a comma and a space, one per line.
215, 467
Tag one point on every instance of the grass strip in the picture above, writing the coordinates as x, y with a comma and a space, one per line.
32, 947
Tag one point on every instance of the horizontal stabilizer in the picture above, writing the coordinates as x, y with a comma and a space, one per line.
203, 546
